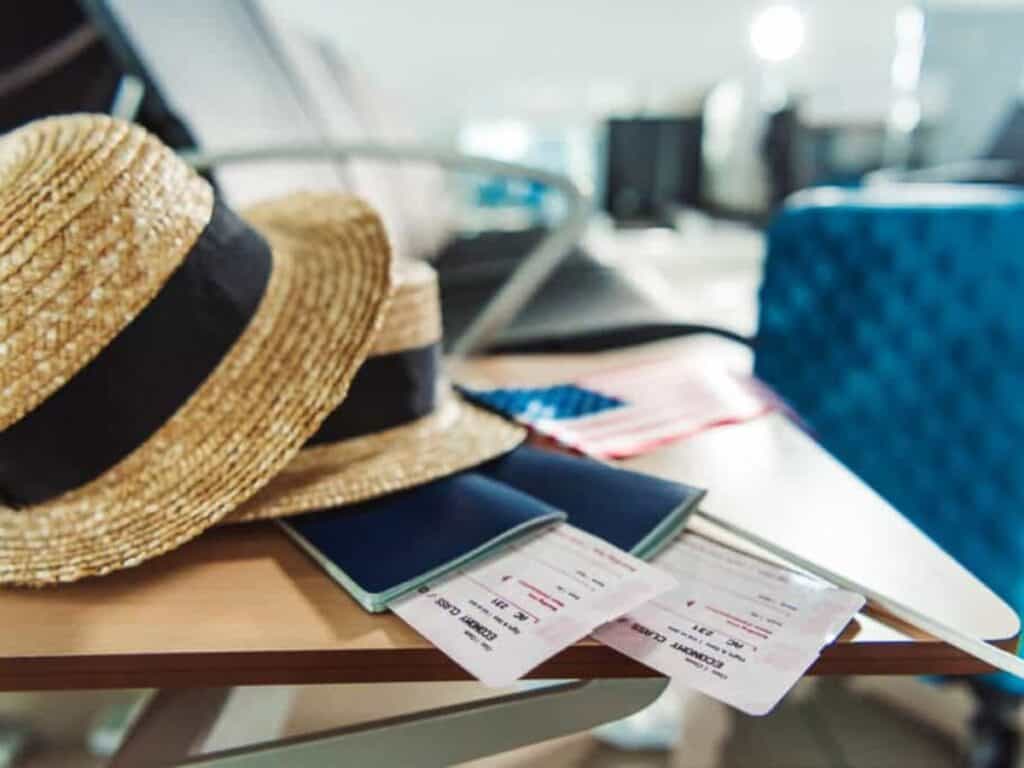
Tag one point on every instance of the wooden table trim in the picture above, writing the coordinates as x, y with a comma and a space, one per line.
585, 661
242, 605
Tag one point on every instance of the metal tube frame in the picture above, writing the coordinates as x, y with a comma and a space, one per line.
176, 721
535, 268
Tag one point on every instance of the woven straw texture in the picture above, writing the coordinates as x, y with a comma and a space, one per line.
287, 371
455, 437
413, 318
94, 217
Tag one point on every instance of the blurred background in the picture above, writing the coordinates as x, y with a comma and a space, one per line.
658, 106
686, 125
748, 100
881, 140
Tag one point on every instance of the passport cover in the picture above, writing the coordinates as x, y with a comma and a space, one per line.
637, 513
382, 549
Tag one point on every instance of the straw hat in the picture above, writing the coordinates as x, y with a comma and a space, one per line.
401, 425
159, 362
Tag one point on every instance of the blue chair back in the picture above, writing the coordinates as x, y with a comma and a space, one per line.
892, 321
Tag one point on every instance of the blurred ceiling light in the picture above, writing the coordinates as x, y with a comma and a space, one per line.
500, 139
906, 63
905, 114
777, 33
722, 112
910, 24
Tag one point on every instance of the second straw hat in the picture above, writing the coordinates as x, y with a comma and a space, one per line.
160, 360
401, 425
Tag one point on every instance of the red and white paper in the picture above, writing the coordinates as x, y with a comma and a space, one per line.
736, 628
502, 617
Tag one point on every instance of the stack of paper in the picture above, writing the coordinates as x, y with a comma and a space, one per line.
730, 625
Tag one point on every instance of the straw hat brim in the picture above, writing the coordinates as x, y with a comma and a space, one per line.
457, 436
288, 370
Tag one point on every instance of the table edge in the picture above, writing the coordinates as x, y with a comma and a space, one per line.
290, 667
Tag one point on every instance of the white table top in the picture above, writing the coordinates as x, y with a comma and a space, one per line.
769, 477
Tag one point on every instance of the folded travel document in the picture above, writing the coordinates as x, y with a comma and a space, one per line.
385, 548
637, 513
382, 549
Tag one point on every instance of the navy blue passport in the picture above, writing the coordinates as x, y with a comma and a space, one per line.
637, 513
385, 548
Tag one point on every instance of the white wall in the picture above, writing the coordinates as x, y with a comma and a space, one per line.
449, 59
973, 71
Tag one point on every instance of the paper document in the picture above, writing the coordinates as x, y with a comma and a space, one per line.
501, 618
736, 628
634, 409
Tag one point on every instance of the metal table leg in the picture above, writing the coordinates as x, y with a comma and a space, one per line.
434, 737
